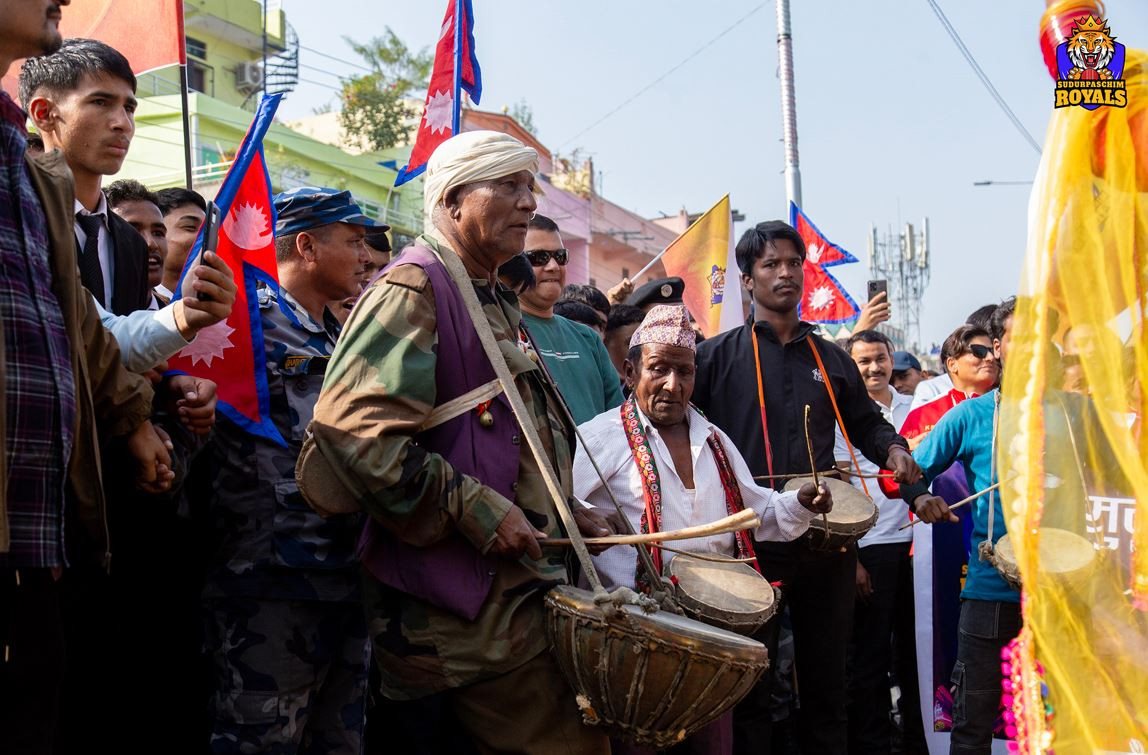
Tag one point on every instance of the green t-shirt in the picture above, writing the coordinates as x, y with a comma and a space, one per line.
580, 364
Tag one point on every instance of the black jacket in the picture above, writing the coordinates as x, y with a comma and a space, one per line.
726, 391
128, 249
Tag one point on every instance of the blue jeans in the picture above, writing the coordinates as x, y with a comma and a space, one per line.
985, 627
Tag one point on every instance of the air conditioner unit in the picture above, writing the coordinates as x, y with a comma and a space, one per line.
249, 77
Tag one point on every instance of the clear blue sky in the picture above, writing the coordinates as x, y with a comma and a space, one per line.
893, 124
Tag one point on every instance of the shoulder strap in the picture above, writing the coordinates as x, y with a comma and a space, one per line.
836, 410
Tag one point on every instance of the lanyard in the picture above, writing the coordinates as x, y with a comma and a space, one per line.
761, 404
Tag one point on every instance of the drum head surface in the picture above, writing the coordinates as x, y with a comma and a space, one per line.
662, 622
1061, 551
850, 505
728, 586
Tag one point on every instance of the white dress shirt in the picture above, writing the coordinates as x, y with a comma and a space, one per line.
782, 516
146, 337
105, 242
892, 513
927, 390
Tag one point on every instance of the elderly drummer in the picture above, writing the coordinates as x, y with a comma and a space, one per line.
454, 573
670, 468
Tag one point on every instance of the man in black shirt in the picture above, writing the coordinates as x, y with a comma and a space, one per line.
754, 383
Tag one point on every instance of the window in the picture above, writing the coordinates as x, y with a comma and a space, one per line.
200, 78
196, 48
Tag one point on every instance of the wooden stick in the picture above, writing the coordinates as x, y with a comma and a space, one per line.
851, 473
956, 505
705, 556
813, 466
742, 520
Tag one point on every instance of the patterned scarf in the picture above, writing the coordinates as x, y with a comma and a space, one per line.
652, 490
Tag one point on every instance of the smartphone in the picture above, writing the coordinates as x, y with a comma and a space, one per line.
211, 223
878, 287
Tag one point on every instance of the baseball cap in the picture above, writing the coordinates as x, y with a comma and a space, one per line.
309, 207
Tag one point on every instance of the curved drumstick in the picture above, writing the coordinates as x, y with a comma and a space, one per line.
743, 520
813, 467
956, 505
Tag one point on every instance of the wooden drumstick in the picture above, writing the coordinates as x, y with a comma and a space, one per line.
742, 520
956, 505
704, 556
812, 466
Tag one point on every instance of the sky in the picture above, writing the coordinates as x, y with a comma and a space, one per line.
893, 124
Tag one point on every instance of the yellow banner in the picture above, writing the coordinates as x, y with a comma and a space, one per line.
703, 257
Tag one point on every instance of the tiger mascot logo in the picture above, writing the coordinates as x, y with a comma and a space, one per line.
1090, 49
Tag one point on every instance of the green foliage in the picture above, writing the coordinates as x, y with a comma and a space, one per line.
374, 106
522, 112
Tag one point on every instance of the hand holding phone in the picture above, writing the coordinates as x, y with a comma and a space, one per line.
211, 223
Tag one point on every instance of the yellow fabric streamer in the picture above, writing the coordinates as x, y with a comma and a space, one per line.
1073, 451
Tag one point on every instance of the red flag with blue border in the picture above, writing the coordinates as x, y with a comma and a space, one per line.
823, 299
455, 70
231, 353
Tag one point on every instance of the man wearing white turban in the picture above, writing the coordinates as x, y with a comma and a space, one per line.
415, 426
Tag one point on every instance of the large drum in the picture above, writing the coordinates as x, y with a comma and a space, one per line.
729, 595
1064, 555
650, 678
853, 514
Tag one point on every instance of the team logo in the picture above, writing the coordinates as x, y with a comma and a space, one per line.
1090, 63
717, 284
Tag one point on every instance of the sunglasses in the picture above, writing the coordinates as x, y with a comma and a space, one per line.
980, 351
539, 257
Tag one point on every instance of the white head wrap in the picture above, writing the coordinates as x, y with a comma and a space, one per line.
474, 156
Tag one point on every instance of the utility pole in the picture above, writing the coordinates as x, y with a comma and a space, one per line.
904, 261
788, 104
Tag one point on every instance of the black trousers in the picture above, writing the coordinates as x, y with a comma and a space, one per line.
32, 663
818, 587
985, 627
880, 623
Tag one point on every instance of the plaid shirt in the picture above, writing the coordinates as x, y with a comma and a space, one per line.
40, 394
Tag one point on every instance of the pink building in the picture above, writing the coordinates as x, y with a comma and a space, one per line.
606, 242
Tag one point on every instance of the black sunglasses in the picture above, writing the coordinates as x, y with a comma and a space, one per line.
539, 257
979, 350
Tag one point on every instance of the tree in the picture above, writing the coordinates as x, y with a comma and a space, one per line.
375, 104
522, 112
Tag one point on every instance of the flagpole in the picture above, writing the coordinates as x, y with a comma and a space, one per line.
186, 125
184, 108
788, 104
456, 117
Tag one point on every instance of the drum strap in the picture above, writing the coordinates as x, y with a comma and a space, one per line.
836, 411
761, 404
733, 499
651, 521
985, 549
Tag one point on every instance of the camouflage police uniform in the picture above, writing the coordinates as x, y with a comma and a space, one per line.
284, 624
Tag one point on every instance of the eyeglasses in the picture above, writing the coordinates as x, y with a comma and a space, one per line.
979, 350
539, 257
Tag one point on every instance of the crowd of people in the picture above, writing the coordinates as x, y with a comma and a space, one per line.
397, 606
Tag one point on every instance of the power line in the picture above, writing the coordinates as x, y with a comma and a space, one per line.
662, 78
982, 75
337, 60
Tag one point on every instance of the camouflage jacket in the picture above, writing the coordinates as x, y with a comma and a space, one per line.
379, 389
266, 541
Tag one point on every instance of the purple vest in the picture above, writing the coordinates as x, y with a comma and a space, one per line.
451, 574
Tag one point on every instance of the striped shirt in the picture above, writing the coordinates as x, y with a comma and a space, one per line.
40, 393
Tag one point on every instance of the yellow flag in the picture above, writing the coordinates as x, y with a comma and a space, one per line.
703, 257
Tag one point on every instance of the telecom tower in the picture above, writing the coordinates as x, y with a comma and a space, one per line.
903, 260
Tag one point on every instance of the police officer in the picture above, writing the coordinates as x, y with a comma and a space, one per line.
284, 625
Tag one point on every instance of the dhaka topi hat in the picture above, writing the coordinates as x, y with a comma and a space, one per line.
309, 207
667, 324
474, 156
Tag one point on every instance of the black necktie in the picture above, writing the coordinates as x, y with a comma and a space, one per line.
91, 275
